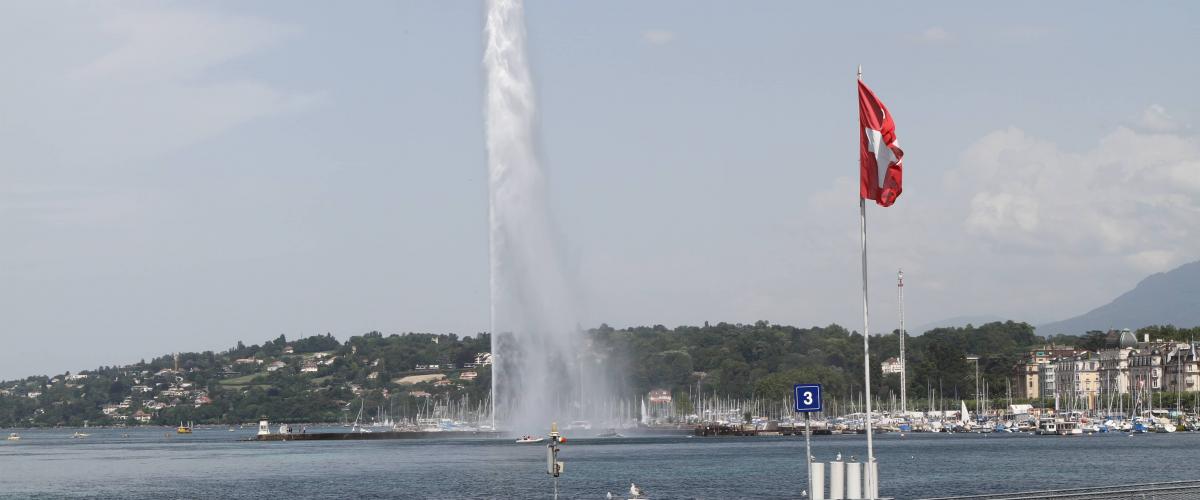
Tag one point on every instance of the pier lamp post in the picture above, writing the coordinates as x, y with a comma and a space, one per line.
972, 357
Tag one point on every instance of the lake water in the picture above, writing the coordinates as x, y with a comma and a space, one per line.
212, 463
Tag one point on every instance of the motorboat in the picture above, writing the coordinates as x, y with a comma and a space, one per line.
611, 433
79, 435
1069, 428
14, 437
530, 439
581, 425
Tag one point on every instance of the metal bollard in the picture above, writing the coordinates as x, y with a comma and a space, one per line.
871, 480
837, 480
854, 481
817, 473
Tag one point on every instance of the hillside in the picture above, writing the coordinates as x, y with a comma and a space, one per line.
1170, 298
315, 379
319, 379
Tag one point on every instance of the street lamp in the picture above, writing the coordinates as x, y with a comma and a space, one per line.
972, 357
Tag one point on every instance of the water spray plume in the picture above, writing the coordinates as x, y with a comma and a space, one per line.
539, 371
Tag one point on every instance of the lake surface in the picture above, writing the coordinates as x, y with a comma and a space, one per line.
212, 463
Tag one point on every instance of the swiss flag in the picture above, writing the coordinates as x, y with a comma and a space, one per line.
880, 154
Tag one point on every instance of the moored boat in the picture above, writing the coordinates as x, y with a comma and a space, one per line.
530, 439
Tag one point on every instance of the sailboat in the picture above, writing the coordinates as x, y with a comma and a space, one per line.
358, 427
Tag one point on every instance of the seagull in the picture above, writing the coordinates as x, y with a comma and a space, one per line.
634, 491
839, 456
608, 496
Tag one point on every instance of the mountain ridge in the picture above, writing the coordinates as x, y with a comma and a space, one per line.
1165, 298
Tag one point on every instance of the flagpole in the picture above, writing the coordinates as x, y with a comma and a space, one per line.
862, 212
903, 360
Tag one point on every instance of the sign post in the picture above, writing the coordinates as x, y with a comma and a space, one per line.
808, 400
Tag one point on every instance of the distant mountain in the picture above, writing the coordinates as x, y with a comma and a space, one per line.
954, 322
1170, 298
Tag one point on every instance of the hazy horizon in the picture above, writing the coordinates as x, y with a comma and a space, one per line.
179, 177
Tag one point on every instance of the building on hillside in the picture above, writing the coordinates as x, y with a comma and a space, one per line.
1114, 368
373, 375
659, 396
1028, 383
276, 365
483, 359
468, 375
1032, 380
248, 361
891, 365
308, 368
287, 349
419, 394
1078, 380
659, 405
1182, 368
142, 416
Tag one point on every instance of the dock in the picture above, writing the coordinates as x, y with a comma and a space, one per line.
341, 436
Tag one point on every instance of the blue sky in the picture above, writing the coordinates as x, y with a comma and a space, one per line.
180, 176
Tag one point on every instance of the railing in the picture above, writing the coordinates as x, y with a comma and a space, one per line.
1151, 491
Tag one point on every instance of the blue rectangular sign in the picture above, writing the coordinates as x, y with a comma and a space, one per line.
808, 398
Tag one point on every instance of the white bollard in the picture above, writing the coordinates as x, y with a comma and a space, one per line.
817, 475
854, 481
837, 480
871, 480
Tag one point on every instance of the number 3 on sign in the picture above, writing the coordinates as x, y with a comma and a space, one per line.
808, 398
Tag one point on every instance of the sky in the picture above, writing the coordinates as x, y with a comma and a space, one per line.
181, 176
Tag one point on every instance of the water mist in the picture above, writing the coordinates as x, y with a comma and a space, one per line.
542, 369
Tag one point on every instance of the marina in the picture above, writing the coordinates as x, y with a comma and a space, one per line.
213, 462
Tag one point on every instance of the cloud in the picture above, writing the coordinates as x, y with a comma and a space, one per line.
934, 35
1022, 226
1132, 195
1155, 118
658, 37
131, 83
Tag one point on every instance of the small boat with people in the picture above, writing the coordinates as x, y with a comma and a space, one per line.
184, 429
530, 439
14, 437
